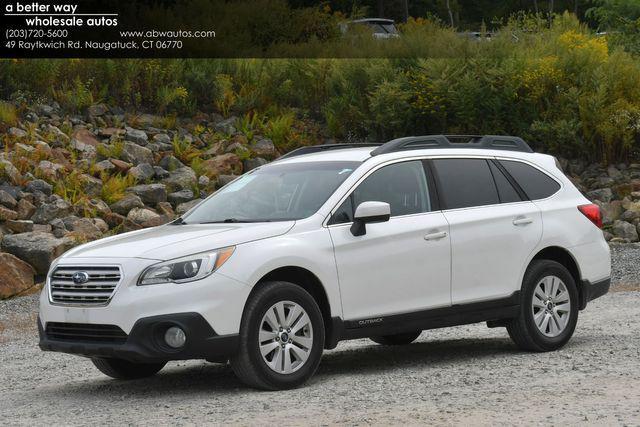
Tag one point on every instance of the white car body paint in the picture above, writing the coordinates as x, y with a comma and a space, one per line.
392, 269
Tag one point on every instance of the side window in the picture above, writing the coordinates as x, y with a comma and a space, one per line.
465, 182
402, 185
536, 184
506, 192
344, 214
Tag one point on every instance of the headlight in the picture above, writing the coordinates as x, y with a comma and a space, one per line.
186, 269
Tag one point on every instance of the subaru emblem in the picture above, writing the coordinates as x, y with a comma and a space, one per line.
80, 277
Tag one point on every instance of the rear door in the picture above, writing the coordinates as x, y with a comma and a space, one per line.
493, 228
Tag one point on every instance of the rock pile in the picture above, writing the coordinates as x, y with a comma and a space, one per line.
68, 179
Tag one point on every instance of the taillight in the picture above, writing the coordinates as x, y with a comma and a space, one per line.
592, 211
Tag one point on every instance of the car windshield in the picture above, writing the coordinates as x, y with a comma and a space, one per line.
277, 192
390, 28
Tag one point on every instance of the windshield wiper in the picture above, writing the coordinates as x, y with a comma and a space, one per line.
227, 221
178, 221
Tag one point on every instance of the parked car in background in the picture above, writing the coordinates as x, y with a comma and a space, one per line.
380, 28
477, 35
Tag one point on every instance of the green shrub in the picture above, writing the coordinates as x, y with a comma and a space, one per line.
114, 186
568, 91
8, 115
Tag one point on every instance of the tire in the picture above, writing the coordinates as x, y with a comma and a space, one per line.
124, 370
397, 339
534, 311
269, 372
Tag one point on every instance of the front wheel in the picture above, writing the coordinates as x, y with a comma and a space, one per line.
124, 370
281, 338
549, 308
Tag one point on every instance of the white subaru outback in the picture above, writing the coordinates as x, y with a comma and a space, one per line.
337, 242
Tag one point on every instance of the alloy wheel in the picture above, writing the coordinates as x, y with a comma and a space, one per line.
551, 306
285, 337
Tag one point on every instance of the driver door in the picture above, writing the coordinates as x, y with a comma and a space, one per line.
398, 266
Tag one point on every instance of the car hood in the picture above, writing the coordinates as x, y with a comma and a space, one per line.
173, 241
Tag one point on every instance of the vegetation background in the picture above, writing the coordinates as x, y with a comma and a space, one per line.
549, 78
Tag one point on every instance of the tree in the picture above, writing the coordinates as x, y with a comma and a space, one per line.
449, 12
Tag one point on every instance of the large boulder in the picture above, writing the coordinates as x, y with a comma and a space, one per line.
97, 110
10, 172
47, 212
36, 248
137, 136
82, 137
7, 200
610, 211
82, 228
601, 194
184, 207
625, 231
170, 163
17, 276
224, 164
103, 166
17, 132
136, 154
227, 126
121, 165
265, 148
225, 179
40, 185
128, 202
26, 209
181, 179
150, 194
141, 215
180, 197
162, 138
142, 172
90, 185
251, 164
50, 170
19, 226
7, 214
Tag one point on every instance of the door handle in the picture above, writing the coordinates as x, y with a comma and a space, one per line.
522, 221
435, 236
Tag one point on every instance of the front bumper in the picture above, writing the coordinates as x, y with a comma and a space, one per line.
145, 342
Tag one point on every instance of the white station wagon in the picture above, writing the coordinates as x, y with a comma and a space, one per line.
336, 242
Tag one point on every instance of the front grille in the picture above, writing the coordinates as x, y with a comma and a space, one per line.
85, 332
97, 290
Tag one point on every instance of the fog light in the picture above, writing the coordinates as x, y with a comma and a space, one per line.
175, 337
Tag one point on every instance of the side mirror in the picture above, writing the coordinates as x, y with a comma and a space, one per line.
369, 212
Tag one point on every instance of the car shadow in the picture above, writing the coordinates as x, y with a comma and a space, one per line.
361, 360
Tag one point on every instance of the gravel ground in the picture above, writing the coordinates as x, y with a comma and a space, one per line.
463, 375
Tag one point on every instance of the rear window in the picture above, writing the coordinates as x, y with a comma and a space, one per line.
535, 183
464, 183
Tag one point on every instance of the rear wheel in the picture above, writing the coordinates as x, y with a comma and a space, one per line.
281, 338
397, 339
124, 370
549, 308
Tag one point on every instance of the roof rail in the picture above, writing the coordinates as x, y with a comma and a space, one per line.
487, 142
324, 147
